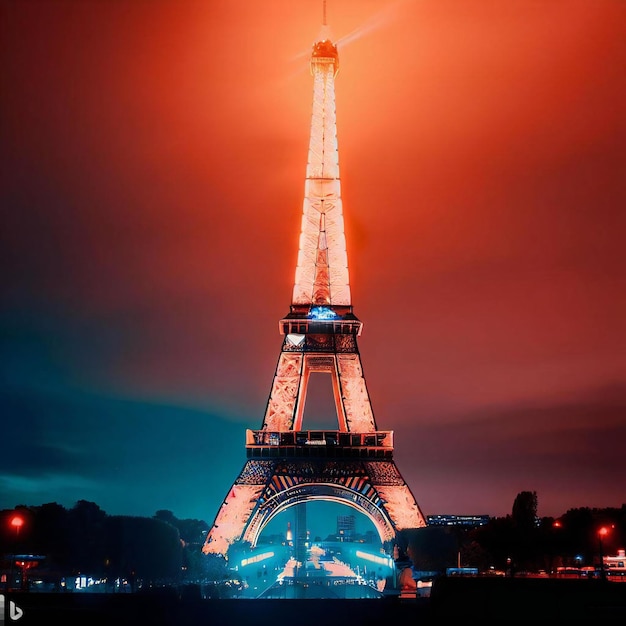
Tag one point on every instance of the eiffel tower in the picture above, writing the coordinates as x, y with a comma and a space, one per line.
287, 464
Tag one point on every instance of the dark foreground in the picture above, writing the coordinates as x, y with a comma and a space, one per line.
468, 600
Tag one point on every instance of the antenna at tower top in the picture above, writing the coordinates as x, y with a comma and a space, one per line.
324, 30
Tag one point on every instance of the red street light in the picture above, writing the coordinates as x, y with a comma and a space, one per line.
17, 522
602, 532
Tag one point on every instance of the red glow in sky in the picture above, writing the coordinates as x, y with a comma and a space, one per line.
153, 162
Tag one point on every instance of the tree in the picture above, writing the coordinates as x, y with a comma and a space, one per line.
525, 510
214, 567
432, 548
143, 547
166, 516
525, 549
86, 523
191, 530
51, 534
496, 538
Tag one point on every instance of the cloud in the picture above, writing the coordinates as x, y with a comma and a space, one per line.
41, 486
129, 456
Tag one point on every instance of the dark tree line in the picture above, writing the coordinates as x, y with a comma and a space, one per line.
166, 550
85, 540
521, 541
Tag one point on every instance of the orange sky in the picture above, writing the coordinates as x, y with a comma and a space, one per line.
153, 162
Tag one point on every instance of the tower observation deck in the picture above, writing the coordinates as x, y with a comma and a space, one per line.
286, 463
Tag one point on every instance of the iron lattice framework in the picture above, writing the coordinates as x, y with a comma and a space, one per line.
285, 464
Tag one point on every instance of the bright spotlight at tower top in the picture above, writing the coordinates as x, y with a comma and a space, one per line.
324, 50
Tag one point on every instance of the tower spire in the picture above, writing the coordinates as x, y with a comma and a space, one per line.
320, 329
322, 277
325, 30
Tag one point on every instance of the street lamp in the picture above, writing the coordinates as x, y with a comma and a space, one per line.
602, 533
17, 521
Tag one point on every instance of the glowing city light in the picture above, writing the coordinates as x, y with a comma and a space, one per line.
381, 560
17, 522
322, 313
257, 558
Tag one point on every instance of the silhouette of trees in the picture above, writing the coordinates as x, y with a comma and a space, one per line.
520, 541
525, 533
192, 531
165, 549
544, 544
432, 548
192, 534
85, 540
496, 540
50, 534
214, 567
142, 547
87, 525
525, 511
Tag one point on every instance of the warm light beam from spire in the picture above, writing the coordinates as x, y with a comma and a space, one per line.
377, 21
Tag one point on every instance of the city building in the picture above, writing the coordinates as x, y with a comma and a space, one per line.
346, 527
468, 521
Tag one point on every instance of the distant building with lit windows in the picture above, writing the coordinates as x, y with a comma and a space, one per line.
615, 565
346, 525
468, 521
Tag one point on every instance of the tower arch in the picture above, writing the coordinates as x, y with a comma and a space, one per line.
309, 492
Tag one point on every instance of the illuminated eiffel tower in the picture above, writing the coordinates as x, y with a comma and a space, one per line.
287, 465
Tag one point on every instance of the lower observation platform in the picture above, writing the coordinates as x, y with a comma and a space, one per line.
263, 444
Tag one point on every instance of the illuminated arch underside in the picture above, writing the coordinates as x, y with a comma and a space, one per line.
326, 493
264, 488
